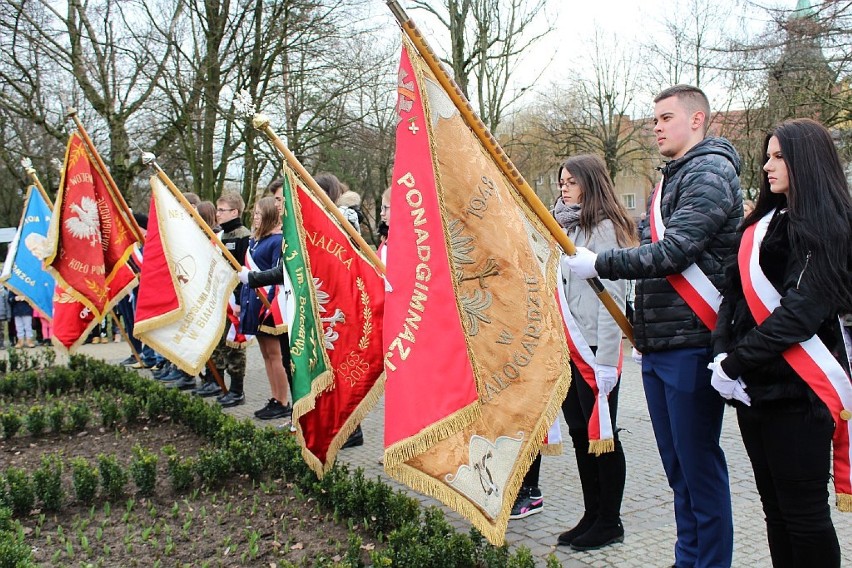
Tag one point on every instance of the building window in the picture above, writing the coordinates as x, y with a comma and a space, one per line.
629, 200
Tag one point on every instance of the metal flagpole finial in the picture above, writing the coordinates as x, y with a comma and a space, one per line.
148, 158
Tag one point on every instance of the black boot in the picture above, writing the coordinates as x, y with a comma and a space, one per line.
356, 438
607, 529
587, 467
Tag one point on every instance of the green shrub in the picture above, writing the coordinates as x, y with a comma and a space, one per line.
48, 482
79, 415
247, 457
181, 472
154, 405
56, 417
84, 477
213, 466
14, 551
131, 408
109, 411
143, 469
113, 476
19, 491
35, 420
59, 379
11, 423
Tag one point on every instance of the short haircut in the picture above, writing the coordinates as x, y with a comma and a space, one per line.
233, 200
193, 199
692, 98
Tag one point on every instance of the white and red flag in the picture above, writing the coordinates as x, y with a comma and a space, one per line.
185, 284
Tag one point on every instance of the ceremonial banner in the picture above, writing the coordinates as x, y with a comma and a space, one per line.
184, 287
90, 242
472, 321
335, 322
23, 272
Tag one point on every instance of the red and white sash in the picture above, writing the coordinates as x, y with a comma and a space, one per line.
278, 304
234, 338
692, 284
601, 436
811, 359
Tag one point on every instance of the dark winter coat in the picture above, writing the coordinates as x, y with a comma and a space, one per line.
19, 308
755, 352
701, 208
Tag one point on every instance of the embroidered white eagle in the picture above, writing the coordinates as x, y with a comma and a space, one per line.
85, 224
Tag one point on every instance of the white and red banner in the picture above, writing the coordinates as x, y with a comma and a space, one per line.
184, 286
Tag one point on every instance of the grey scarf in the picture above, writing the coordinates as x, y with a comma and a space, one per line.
568, 216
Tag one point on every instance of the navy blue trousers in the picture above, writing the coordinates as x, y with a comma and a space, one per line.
686, 413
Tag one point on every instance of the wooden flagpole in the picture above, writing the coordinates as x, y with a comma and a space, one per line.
501, 158
32, 173
261, 122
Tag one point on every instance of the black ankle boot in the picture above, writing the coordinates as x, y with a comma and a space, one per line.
568, 537
601, 534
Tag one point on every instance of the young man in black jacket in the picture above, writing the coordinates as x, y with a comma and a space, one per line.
679, 270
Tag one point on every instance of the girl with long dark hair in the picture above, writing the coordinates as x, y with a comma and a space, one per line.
592, 216
782, 357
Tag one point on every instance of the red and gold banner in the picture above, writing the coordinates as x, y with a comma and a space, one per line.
476, 354
91, 242
334, 296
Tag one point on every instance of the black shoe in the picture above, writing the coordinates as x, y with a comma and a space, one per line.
164, 370
185, 383
529, 502
172, 375
601, 534
232, 399
356, 438
127, 362
566, 538
274, 410
207, 389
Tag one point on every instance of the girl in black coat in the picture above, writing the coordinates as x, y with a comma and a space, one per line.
783, 295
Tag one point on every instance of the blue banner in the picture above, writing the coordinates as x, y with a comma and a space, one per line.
23, 272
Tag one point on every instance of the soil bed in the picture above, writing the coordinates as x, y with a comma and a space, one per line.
241, 523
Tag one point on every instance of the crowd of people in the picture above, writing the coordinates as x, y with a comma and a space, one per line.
746, 311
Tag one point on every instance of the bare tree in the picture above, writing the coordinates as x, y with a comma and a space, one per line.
487, 41
598, 118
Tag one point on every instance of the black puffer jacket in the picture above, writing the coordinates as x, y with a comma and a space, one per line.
755, 351
701, 207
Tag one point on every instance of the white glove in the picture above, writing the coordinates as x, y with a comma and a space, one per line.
727, 387
243, 275
606, 378
583, 263
636, 356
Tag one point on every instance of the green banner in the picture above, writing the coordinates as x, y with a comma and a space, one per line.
307, 352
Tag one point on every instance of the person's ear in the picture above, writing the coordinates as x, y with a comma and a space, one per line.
698, 118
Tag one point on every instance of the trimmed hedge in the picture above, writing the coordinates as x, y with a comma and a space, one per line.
415, 536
